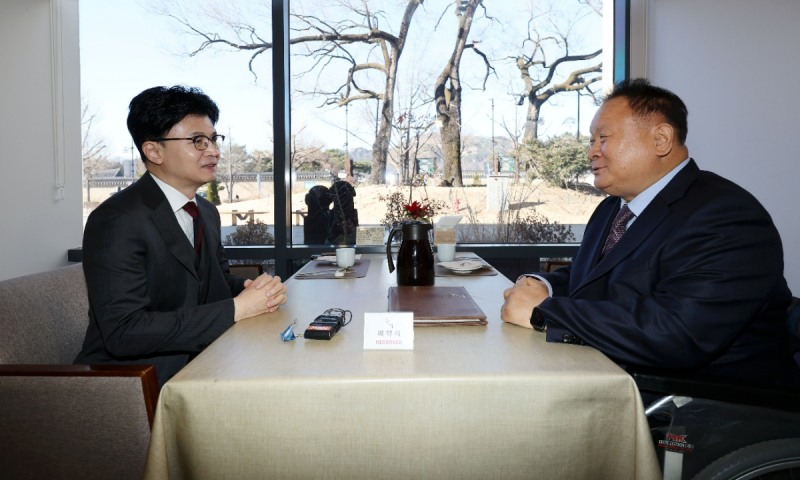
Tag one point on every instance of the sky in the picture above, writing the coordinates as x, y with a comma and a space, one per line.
126, 48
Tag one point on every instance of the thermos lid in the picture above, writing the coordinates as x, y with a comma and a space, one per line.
416, 230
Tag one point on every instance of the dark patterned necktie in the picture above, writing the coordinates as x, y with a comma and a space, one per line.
618, 228
192, 210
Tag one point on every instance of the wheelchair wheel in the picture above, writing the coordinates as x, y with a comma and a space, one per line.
770, 460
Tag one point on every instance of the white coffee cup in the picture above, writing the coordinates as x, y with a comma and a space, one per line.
345, 257
446, 252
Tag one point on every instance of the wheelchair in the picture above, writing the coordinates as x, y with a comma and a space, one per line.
722, 431
705, 430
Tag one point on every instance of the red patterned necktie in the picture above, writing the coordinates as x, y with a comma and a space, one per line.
618, 228
192, 210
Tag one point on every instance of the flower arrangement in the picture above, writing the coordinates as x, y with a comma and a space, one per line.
399, 208
419, 211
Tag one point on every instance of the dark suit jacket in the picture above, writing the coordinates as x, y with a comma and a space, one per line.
149, 302
695, 284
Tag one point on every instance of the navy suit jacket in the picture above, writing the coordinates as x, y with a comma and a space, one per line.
696, 284
149, 301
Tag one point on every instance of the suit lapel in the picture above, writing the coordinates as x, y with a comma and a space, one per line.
651, 218
167, 225
589, 252
208, 254
638, 232
211, 227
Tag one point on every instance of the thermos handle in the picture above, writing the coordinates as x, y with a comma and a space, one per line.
389, 249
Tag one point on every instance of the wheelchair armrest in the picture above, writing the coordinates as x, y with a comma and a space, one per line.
689, 385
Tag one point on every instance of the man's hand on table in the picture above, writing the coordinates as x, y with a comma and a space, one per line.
262, 295
521, 299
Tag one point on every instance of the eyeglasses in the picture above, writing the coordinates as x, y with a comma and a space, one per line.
201, 142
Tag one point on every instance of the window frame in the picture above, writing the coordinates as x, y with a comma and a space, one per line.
286, 254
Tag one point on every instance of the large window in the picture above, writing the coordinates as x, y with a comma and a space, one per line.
480, 110
389, 104
127, 47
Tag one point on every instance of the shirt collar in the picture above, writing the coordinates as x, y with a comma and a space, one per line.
175, 198
641, 201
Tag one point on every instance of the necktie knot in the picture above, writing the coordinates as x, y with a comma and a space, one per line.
618, 228
191, 209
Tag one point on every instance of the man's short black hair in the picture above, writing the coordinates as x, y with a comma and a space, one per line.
156, 110
646, 99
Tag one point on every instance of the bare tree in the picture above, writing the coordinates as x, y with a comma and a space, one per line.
543, 79
346, 47
413, 127
390, 47
92, 150
327, 40
263, 161
515, 134
308, 157
596, 5
233, 161
447, 92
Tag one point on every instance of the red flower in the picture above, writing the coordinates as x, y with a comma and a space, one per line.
418, 211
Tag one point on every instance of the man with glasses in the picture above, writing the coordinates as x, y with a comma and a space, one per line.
159, 285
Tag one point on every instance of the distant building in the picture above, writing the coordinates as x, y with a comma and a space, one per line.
108, 173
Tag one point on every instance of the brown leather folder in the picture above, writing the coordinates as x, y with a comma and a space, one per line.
437, 306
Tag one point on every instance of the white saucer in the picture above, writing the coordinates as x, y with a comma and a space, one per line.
463, 266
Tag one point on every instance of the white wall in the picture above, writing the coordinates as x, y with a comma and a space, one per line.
734, 63
39, 135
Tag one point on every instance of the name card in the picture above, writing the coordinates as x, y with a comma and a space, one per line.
389, 331
369, 235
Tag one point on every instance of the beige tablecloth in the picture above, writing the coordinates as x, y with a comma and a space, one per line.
480, 402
